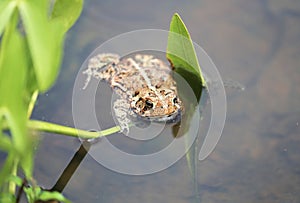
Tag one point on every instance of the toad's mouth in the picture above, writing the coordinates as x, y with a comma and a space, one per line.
175, 117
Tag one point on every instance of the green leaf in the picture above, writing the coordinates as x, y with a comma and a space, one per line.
44, 39
32, 193
67, 11
7, 198
47, 195
16, 179
36, 193
13, 109
6, 168
7, 7
182, 56
5, 143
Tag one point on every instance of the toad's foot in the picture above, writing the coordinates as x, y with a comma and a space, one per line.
121, 109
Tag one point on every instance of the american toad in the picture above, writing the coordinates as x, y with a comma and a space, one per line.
143, 83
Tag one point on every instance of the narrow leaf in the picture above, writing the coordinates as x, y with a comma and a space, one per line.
182, 56
5, 144
7, 7
6, 168
46, 195
16, 179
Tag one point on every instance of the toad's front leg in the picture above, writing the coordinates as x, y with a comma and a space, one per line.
121, 109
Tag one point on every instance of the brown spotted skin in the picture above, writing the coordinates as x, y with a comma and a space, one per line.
143, 81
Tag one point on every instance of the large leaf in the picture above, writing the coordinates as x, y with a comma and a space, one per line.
13, 110
44, 39
6, 9
67, 11
182, 56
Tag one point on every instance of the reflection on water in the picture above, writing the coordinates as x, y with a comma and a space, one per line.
257, 159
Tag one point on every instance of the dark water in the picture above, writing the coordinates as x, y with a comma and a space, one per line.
258, 156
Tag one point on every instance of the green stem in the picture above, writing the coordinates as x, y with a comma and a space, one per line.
69, 131
11, 184
32, 102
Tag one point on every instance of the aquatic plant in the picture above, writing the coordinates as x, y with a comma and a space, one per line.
32, 36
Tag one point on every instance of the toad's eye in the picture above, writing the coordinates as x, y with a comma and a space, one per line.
148, 104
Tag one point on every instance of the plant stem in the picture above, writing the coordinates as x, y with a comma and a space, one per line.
69, 131
32, 102
11, 184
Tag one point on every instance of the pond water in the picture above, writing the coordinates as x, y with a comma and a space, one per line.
258, 156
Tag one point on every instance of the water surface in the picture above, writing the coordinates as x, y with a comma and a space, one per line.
258, 156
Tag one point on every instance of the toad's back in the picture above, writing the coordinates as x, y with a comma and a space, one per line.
143, 81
